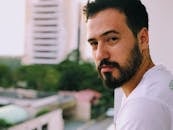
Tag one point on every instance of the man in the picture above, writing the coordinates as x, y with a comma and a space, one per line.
117, 31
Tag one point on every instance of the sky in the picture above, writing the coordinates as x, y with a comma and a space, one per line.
12, 17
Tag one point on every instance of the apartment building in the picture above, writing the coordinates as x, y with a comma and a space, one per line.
52, 30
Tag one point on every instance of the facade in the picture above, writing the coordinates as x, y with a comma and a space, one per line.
51, 30
20, 119
51, 121
22, 112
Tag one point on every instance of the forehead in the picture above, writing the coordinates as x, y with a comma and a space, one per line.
108, 19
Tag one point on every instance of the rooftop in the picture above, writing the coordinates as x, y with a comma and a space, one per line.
13, 114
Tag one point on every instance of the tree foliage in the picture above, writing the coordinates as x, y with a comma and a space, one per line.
39, 77
78, 76
6, 78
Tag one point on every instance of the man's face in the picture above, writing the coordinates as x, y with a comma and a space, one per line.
115, 49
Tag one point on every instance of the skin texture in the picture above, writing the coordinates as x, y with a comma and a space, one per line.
111, 39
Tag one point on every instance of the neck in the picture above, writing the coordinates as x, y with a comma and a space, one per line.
131, 84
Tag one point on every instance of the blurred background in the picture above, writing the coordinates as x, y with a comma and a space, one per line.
48, 80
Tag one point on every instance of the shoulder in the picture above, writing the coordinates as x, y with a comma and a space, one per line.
157, 84
157, 74
150, 107
142, 114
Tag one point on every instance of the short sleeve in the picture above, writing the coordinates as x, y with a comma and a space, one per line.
143, 114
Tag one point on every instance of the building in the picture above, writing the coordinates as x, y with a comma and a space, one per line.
50, 121
23, 112
52, 30
20, 108
19, 119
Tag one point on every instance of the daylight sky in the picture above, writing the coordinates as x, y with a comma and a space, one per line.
12, 27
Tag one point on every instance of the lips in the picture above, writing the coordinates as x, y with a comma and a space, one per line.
106, 68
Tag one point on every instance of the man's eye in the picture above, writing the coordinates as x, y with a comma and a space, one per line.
93, 43
112, 39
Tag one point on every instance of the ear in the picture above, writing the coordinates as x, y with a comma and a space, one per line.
143, 39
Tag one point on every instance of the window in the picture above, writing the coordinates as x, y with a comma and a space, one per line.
45, 127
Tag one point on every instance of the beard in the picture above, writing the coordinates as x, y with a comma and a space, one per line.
125, 72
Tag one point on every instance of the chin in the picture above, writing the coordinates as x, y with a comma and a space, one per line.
112, 85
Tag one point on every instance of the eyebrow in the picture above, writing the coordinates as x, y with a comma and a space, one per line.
104, 34
109, 31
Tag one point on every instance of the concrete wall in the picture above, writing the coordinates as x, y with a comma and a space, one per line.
53, 119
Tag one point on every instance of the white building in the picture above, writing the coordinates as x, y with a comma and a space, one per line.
50, 121
20, 119
51, 30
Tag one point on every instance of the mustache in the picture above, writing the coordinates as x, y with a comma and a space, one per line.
108, 63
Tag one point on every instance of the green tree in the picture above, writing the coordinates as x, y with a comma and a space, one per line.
51, 79
39, 77
6, 78
78, 76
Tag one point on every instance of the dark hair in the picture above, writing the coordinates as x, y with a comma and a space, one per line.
134, 10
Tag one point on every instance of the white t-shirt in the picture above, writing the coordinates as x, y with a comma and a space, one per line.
150, 105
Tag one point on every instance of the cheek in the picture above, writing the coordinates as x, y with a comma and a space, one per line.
94, 58
93, 54
117, 53
120, 53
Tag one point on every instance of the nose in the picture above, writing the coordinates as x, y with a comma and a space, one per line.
102, 52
